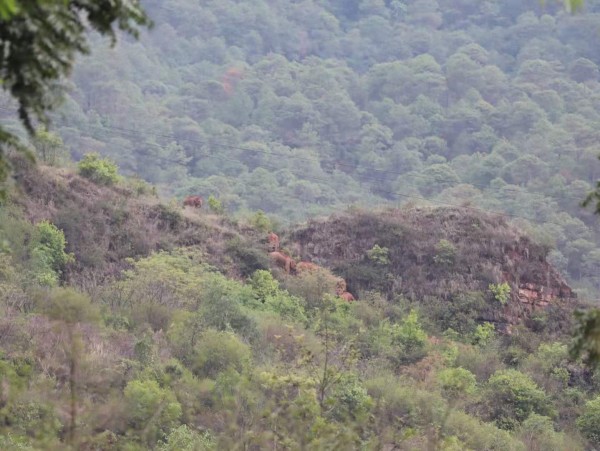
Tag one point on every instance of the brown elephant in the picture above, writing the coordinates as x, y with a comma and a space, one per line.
285, 262
347, 296
193, 201
273, 241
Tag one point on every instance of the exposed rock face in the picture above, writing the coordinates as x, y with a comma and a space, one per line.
540, 296
437, 253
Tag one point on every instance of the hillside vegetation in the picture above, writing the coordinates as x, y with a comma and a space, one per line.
185, 340
388, 253
302, 108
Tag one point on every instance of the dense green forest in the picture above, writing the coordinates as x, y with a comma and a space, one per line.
429, 157
303, 108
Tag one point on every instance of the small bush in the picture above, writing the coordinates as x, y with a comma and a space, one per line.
410, 338
350, 400
261, 222
150, 405
215, 205
141, 187
589, 422
379, 255
247, 258
33, 419
457, 382
217, 352
99, 170
270, 298
185, 439
48, 254
169, 215
483, 334
538, 432
501, 292
445, 253
49, 148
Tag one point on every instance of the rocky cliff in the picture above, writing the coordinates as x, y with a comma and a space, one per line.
437, 253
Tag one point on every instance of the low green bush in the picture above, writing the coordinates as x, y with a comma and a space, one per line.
99, 170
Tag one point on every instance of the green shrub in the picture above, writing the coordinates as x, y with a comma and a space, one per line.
483, 334
215, 205
261, 222
217, 352
11, 442
151, 408
479, 435
512, 396
141, 187
49, 148
457, 382
264, 285
99, 170
350, 400
48, 256
589, 421
460, 313
538, 432
247, 258
379, 255
185, 439
501, 292
169, 215
445, 253
33, 419
71, 307
270, 298
411, 338
221, 307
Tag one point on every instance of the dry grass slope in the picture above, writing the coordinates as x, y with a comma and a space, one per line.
104, 226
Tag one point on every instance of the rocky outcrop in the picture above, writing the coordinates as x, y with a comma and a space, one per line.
542, 296
437, 253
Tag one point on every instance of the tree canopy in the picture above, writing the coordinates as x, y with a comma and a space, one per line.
40, 40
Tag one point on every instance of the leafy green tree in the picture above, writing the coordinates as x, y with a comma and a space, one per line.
589, 421
538, 432
512, 396
42, 39
586, 341
217, 352
379, 255
50, 148
350, 400
411, 338
151, 409
457, 382
261, 221
48, 254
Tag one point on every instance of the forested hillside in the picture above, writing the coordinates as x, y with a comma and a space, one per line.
128, 323
303, 108
389, 250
